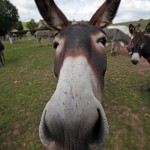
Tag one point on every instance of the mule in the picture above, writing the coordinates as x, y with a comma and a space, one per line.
74, 119
45, 34
140, 44
115, 36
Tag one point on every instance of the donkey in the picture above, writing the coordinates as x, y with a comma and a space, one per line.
115, 36
28, 34
74, 118
140, 44
2, 47
47, 34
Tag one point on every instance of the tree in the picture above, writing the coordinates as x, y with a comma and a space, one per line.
31, 24
45, 27
8, 16
19, 26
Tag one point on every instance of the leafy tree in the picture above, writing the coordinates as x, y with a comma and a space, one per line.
8, 16
19, 26
45, 27
31, 24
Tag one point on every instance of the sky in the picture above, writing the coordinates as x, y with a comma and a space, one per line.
129, 10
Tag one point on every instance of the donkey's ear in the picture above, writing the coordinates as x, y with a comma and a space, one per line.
105, 14
131, 29
52, 14
147, 29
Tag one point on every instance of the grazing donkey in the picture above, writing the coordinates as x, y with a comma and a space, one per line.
74, 118
1, 52
28, 34
115, 36
140, 44
47, 34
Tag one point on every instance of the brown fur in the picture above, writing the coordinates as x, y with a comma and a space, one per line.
140, 43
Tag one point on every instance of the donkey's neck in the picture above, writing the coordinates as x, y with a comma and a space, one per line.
76, 77
125, 39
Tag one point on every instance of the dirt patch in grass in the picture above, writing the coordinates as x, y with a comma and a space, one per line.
142, 66
16, 131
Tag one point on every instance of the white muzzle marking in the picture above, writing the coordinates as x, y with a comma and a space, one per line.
135, 57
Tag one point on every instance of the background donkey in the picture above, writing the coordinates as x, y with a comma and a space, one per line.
140, 44
43, 34
115, 36
74, 118
1, 52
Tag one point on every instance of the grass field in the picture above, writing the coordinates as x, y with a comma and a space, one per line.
27, 82
25, 26
143, 23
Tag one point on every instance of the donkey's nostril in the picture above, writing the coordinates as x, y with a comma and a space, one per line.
100, 131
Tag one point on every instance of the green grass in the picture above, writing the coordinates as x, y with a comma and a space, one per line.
25, 26
27, 82
143, 23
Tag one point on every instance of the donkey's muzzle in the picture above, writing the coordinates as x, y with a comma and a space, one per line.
78, 127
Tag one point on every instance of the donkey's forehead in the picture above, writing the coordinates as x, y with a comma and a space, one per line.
80, 29
138, 36
75, 36
135, 36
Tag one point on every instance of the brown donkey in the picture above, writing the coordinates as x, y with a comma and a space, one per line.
74, 118
140, 44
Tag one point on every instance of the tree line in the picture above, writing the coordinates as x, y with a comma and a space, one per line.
9, 19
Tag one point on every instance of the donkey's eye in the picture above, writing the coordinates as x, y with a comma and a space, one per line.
102, 40
55, 45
